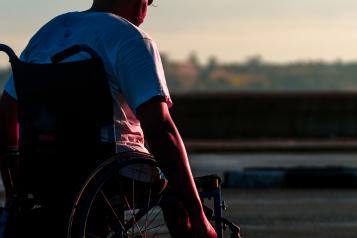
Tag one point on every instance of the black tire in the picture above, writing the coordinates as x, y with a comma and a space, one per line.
104, 207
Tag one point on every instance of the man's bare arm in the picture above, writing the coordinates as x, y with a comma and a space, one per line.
8, 137
166, 145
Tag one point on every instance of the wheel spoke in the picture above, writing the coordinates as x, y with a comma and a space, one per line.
112, 209
152, 210
133, 194
147, 208
156, 226
157, 232
153, 219
133, 216
92, 235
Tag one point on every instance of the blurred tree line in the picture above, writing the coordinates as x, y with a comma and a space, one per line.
252, 75
256, 75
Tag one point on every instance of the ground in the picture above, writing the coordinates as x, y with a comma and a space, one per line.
293, 213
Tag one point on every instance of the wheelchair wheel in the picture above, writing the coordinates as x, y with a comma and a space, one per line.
120, 199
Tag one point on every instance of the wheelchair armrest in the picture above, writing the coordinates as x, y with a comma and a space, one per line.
208, 182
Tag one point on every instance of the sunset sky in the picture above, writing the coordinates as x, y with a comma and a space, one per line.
231, 30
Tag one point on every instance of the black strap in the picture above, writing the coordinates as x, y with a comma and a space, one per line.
75, 49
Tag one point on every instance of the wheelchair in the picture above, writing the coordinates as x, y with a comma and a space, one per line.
66, 175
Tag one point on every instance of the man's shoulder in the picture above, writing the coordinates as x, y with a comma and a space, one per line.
92, 28
104, 21
116, 23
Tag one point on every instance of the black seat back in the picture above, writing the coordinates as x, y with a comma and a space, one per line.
66, 104
62, 108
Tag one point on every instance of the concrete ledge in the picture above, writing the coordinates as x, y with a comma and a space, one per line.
298, 177
264, 145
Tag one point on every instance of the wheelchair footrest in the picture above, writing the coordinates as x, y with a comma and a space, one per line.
235, 229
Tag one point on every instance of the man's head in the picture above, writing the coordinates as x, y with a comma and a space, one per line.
132, 10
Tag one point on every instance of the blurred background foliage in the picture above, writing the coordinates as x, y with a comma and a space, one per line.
254, 74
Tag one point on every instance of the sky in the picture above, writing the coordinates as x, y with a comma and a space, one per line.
230, 30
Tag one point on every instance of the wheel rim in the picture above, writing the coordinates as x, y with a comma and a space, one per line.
109, 210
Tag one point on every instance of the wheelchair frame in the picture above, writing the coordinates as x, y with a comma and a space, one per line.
209, 188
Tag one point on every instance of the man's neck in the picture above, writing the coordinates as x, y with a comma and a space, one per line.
116, 8
102, 6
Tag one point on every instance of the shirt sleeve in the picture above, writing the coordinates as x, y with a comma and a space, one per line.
140, 73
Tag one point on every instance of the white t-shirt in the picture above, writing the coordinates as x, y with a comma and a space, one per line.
131, 60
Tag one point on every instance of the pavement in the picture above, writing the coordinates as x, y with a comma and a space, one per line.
260, 199
293, 213
266, 145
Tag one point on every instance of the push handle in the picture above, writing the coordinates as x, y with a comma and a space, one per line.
9, 52
75, 49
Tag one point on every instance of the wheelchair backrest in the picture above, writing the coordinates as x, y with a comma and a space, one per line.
62, 106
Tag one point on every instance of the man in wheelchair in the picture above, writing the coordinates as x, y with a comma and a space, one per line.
139, 104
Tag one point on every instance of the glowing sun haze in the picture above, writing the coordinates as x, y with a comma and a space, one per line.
231, 30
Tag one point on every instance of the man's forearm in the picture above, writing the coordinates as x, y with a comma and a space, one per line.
8, 139
166, 145
168, 148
